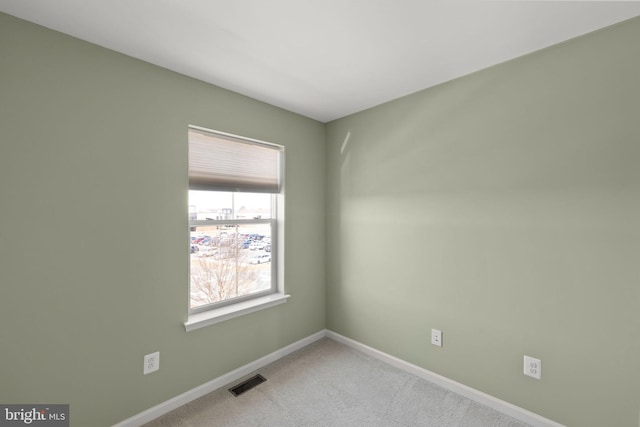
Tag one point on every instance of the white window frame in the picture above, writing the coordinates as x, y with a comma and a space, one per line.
228, 309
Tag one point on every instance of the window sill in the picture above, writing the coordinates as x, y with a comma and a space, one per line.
206, 318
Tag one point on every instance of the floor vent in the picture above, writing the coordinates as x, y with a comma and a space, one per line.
247, 385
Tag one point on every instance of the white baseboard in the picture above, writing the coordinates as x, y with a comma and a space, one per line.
206, 388
506, 408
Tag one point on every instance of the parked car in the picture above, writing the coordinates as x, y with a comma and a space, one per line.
202, 240
259, 259
207, 252
256, 246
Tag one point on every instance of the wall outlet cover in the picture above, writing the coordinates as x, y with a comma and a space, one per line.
151, 363
532, 367
436, 337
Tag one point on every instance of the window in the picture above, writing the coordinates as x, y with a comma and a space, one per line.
235, 204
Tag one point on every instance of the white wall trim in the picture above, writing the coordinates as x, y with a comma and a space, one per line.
221, 381
506, 408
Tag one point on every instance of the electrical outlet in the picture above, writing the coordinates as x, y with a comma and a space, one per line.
436, 337
532, 367
151, 363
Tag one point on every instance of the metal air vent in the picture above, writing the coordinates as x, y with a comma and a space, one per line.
247, 385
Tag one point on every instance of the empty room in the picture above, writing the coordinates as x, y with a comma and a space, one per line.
304, 213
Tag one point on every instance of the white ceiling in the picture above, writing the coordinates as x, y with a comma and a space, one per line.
323, 59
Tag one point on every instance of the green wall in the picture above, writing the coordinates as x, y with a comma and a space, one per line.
93, 228
504, 209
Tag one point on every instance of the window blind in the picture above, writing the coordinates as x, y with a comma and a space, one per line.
226, 163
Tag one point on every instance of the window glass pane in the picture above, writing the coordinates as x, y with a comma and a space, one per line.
224, 205
229, 261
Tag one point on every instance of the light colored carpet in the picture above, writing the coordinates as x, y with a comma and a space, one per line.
328, 384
